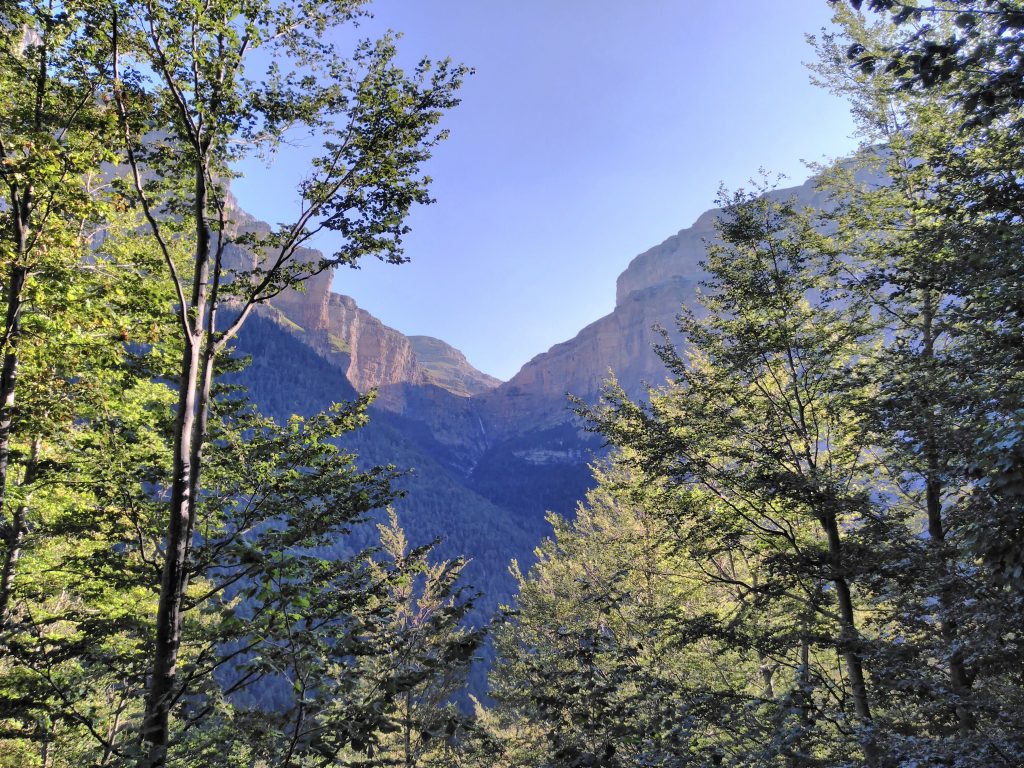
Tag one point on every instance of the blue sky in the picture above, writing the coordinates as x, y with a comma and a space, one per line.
591, 131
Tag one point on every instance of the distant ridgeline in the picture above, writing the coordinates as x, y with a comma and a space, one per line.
488, 459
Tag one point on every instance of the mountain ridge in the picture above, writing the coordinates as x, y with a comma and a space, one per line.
507, 452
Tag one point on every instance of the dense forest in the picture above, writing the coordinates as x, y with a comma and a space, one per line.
806, 549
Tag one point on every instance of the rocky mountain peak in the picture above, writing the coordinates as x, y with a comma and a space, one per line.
649, 293
677, 257
448, 367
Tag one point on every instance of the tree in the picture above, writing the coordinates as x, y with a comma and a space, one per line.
926, 255
427, 650
973, 45
72, 301
188, 109
54, 137
966, 56
759, 437
589, 668
79, 595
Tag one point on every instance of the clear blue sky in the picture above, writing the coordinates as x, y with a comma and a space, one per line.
591, 131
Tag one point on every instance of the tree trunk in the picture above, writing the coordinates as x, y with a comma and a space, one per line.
22, 208
19, 527
848, 636
189, 434
8, 380
959, 680
408, 729
172, 581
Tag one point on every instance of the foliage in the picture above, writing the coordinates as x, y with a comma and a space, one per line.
833, 471
805, 550
972, 45
113, 276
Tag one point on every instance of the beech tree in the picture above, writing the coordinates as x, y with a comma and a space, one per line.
760, 434
929, 236
189, 106
425, 650
53, 140
589, 669
972, 45
965, 56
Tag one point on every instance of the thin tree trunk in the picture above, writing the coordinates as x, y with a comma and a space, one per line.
849, 637
189, 433
959, 680
9, 372
14, 532
767, 676
408, 729
168, 620
19, 527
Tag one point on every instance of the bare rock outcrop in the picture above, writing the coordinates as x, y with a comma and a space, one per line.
649, 295
448, 368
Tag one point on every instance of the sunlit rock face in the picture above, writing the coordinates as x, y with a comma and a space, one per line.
649, 296
448, 368
677, 258
518, 444
620, 344
373, 355
472, 410
378, 355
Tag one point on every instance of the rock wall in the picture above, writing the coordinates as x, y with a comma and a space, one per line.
469, 412
448, 367
649, 294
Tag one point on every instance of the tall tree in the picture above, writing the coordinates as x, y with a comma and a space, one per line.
965, 56
973, 45
926, 250
591, 669
54, 137
189, 108
760, 435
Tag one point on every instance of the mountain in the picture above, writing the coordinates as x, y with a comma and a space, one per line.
448, 367
649, 295
489, 458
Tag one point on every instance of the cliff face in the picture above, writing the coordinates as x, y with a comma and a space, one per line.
371, 354
677, 258
649, 294
378, 356
517, 444
619, 344
448, 368
430, 381
309, 309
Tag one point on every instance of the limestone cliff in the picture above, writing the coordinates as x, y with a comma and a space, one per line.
619, 344
371, 354
378, 356
474, 416
649, 294
448, 368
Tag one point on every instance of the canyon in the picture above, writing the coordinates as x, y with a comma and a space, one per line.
489, 459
